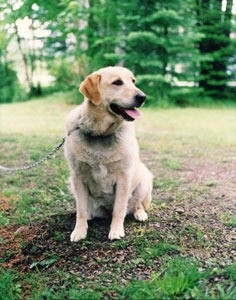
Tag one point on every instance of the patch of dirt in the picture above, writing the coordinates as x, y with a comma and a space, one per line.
207, 192
35, 246
6, 203
12, 239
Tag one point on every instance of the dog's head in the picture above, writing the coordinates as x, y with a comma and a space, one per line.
114, 88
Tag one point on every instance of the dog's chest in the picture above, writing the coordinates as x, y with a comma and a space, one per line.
99, 158
99, 179
99, 169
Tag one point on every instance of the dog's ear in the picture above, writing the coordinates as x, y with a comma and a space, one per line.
90, 88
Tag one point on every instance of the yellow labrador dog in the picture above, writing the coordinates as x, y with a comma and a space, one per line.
103, 155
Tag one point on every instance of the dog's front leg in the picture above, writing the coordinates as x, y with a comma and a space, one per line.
81, 195
120, 208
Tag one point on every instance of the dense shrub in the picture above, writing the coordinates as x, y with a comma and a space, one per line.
10, 89
66, 75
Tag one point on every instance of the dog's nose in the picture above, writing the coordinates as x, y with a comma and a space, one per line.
140, 98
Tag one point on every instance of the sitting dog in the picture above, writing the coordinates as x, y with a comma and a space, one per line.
103, 155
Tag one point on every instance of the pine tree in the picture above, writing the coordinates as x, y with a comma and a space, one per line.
160, 43
216, 46
102, 33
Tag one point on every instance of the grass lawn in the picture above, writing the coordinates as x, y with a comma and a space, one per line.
186, 249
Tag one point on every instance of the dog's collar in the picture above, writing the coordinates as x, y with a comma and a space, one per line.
90, 134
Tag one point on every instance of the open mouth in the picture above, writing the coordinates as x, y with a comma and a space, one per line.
128, 113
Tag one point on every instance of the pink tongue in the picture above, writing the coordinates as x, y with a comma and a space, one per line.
133, 113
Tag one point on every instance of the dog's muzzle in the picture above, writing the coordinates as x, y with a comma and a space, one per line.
129, 113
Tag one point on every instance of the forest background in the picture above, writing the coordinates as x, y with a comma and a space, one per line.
182, 52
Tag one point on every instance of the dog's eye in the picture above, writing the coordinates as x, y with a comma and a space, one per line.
117, 82
133, 80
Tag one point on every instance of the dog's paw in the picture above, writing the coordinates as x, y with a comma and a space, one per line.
116, 234
78, 234
140, 215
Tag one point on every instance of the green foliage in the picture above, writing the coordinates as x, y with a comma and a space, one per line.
76, 294
140, 38
71, 294
9, 79
157, 250
188, 96
10, 90
166, 17
46, 263
9, 287
171, 164
166, 43
180, 277
228, 220
65, 73
230, 271
217, 47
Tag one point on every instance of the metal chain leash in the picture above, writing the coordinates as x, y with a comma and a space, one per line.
33, 165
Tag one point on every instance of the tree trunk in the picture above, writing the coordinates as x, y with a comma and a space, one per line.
24, 59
